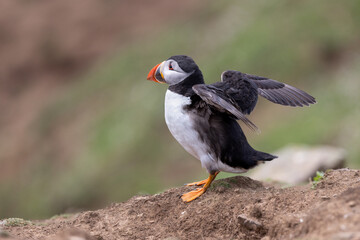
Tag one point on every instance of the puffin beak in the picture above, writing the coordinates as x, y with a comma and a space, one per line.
156, 75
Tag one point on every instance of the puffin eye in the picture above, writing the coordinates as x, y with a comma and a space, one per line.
170, 67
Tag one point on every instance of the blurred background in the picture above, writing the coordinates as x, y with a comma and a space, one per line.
80, 127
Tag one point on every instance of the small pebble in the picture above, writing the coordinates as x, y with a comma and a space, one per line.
325, 197
250, 224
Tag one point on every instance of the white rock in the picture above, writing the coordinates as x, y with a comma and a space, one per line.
296, 164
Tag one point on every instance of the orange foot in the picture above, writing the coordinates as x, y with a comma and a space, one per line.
197, 183
188, 197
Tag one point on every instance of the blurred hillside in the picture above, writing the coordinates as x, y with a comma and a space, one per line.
81, 127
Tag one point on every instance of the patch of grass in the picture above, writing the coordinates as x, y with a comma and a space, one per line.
232, 180
14, 222
319, 176
222, 183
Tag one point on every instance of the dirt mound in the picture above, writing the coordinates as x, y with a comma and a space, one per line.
233, 208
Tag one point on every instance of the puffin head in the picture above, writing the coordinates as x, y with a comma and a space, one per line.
174, 70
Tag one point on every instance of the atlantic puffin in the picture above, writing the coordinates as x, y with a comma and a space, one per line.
203, 118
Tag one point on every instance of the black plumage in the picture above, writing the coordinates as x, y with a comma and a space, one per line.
270, 89
224, 136
215, 108
240, 90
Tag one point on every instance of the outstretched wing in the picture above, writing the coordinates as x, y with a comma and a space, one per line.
222, 102
272, 90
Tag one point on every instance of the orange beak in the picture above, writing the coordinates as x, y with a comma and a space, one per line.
155, 74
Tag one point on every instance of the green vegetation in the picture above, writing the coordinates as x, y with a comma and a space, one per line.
114, 117
221, 183
319, 176
14, 222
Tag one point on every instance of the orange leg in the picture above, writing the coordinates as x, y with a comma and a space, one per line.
188, 197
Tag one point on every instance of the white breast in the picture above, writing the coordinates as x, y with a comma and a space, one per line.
181, 125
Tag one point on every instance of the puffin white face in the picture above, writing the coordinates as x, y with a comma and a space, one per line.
168, 72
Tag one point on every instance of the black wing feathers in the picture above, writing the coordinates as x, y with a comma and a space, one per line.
221, 102
244, 93
273, 90
237, 94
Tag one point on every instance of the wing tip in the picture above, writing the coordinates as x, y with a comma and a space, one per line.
249, 124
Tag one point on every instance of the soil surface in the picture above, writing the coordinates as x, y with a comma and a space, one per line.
233, 208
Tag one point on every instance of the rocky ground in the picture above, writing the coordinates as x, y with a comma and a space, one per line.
233, 208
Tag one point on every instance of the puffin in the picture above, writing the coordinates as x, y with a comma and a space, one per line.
203, 118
